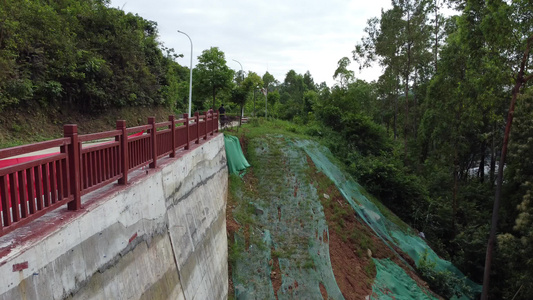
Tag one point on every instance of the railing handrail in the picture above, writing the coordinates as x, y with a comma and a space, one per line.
31, 188
25, 149
98, 135
138, 128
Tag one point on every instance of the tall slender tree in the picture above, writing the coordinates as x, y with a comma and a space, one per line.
211, 73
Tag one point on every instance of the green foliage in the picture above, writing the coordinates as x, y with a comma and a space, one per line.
363, 135
211, 76
404, 193
342, 74
443, 282
514, 264
235, 251
370, 269
81, 53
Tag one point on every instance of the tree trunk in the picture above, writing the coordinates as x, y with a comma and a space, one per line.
396, 107
493, 155
214, 94
520, 81
455, 188
415, 107
407, 74
481, 170
406, 120
240, 115
436, 33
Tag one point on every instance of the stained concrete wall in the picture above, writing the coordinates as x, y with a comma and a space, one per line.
161, 237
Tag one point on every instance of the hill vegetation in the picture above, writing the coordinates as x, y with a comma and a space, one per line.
425, 138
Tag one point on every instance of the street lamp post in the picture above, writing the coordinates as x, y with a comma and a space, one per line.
266, 101
242, 75
253, 113
190, 77
242, 72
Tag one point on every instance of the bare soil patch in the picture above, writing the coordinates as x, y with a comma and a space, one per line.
352, 243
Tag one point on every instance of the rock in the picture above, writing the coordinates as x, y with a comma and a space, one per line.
326, 196
369, 253
258, 212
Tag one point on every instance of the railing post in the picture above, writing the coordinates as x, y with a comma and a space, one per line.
123, 159
209, 114
153, 133
218, 120
71, 131
173, 133
212, 131
206, 130
197, 116
186, 117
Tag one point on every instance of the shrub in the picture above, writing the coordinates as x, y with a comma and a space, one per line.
444, 283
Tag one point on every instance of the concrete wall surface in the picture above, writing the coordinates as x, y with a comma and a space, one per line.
163, 236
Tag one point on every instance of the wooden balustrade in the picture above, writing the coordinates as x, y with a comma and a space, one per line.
34, 185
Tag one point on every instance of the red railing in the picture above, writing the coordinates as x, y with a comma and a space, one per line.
33, 186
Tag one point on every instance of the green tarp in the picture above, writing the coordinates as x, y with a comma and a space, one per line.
390, 233
289, 223
236, 160
286, 224
393, 283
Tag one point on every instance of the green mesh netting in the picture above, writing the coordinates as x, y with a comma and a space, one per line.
286, 227
392, 281
236, 160
389, 232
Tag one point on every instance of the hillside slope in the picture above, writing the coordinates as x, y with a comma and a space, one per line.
29, 124
294, 232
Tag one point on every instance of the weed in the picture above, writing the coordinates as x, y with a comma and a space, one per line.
309, 264
370, 269
359, 252
279, 254
235, 251
444, 282
16, 127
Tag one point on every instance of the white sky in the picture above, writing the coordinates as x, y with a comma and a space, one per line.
275, 35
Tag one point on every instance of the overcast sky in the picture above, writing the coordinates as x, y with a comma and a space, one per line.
274, 36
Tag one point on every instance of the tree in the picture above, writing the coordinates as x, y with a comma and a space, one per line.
309, 82
241, 93
269, 80
401, 44
292, 92
211, 73
251, 84
383, 42
344, 75
90, 56
521, 79
515, 247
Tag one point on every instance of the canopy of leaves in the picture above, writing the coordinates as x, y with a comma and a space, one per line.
84, 54
211, 75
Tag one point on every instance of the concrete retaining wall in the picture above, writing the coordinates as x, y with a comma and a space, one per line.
161, 237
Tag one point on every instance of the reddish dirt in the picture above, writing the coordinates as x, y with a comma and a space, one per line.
353, 269
323, 292
275, 274
348, 266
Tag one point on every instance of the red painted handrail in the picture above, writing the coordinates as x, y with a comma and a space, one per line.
31, 186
